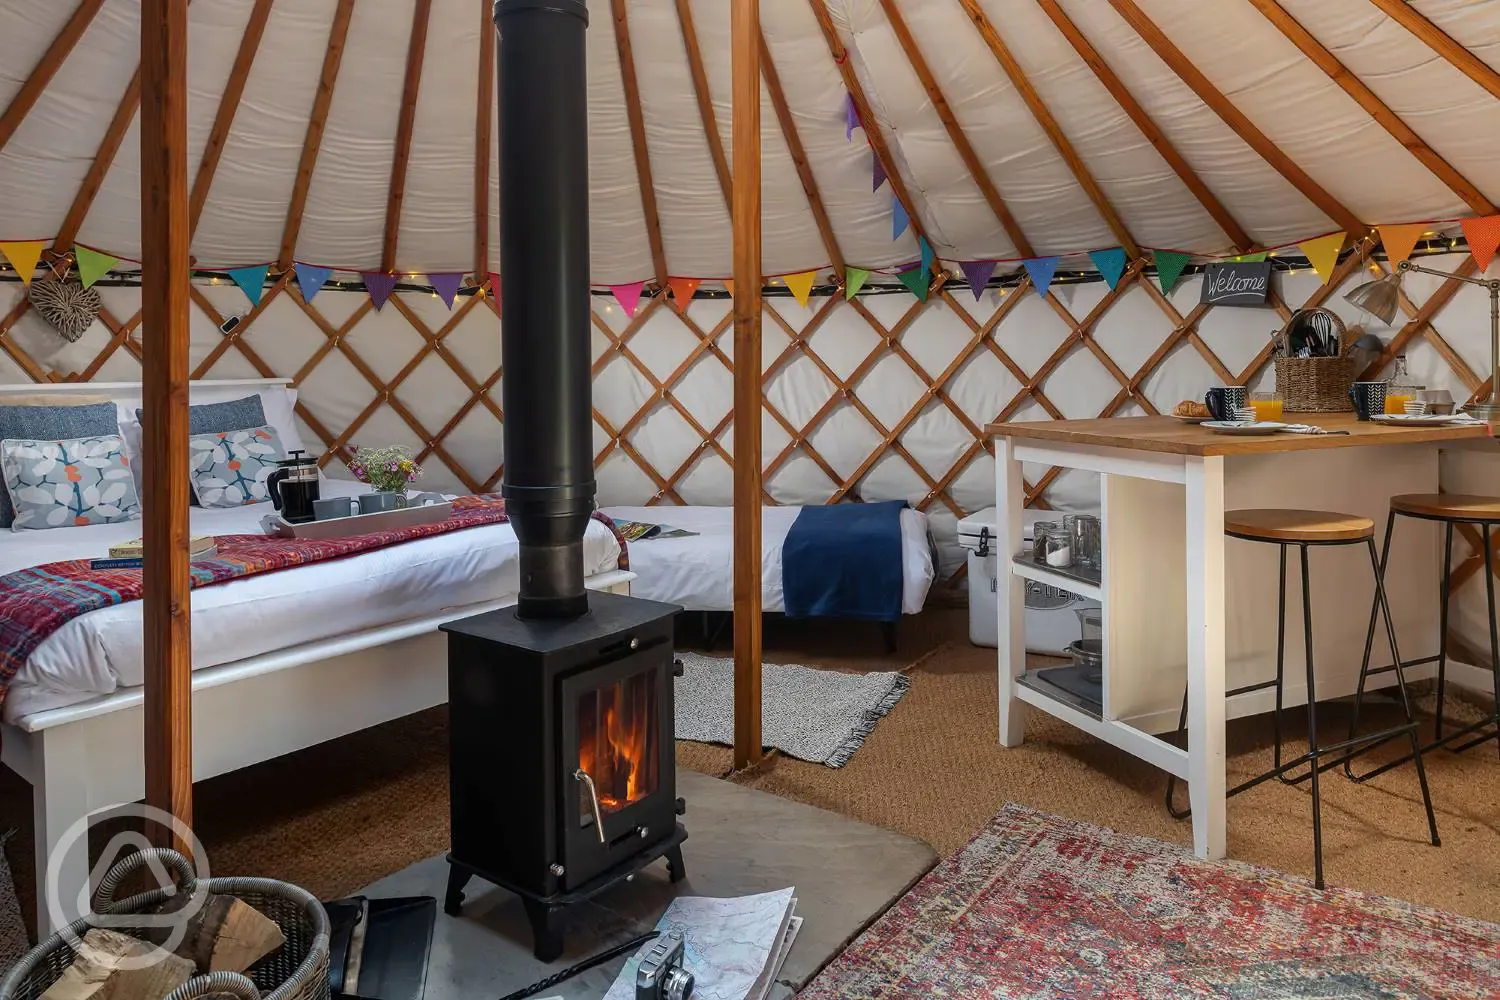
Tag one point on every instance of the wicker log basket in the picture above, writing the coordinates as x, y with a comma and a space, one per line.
297, 971
1314, 385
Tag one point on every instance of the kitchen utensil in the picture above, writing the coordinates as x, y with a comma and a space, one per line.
293, 487
1365, 349
1259, 428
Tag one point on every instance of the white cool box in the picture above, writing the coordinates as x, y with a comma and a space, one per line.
1050, 620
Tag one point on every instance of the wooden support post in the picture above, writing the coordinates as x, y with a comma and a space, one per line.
164, 431
745, 72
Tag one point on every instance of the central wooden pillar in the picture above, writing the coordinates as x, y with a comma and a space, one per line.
164, 426
745, 212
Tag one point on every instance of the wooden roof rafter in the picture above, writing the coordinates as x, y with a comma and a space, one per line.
1146, 125
703, 97
1257, 140
1444, 44
642, 153
312, 142
229, 104
416, 54
966, 151
484, 109
1048, 122
46, 68
873, 133
1352, 85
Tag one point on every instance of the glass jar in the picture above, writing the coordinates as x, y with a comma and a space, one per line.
1402, 389
1085, 536
1059, 545
1039, 532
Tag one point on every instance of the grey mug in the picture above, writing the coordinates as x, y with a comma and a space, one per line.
334, 507
379, 503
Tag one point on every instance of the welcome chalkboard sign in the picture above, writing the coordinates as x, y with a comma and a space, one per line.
1237, 283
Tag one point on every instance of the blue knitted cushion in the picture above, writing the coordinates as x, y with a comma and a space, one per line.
53, 423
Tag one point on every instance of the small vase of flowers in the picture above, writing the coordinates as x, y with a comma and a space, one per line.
388, 470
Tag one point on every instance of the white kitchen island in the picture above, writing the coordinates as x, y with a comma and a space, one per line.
1183, 605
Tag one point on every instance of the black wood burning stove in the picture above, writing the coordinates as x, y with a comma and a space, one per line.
562, 767
562, 770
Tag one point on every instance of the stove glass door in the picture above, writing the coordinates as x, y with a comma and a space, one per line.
619, 744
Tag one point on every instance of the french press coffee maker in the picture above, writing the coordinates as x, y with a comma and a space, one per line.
294, 487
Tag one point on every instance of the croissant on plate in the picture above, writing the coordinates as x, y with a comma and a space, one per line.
1191, 408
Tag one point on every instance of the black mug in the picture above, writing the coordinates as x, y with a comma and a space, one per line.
1222, 400
1368, 399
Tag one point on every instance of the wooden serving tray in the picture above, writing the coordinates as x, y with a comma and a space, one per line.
358, 524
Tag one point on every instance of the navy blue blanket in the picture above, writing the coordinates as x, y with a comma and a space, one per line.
844, 561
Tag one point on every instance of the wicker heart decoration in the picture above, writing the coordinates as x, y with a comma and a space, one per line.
65, 304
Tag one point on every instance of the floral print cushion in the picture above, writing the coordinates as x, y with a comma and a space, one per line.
77, 481
230, 468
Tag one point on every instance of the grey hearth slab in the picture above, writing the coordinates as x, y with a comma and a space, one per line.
740, 841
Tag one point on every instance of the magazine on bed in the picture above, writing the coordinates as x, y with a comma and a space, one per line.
640, 531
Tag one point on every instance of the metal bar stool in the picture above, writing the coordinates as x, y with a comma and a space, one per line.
1449, 509
1305, 528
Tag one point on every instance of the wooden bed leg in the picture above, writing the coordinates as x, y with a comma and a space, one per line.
888, 632
61, 809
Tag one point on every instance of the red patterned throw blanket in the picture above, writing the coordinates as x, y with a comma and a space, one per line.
36, 602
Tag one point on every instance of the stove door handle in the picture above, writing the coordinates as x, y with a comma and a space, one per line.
588, 783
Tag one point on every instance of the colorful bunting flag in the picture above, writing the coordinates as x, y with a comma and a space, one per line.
800, 285
1252, 258
1041, 270
683, 290
379, 286
1111, 264
854, 280
495, 290
926, 253
1169, 268
915, 279
629, 296
1323, 253
310, 279
878, 169
23, 256
851, 117
252, 281
446, 283
1483, 236
92, 265
899, 221
978, 274
1400, 241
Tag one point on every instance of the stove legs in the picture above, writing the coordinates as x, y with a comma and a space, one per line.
453, 899
546, 929
675, 869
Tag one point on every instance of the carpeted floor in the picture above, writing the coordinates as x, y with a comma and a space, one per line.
338, 816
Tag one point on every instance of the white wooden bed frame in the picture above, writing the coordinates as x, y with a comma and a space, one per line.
85, 758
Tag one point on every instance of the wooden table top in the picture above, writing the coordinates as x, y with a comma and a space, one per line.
1169, 436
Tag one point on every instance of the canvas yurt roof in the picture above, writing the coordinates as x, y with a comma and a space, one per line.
1015, 129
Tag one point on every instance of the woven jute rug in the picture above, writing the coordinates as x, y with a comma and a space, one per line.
817, 715
1037, 906
13, 941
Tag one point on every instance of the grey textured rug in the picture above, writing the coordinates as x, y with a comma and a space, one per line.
817, 715
13, 940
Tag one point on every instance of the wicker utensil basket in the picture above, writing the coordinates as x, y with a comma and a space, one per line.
297, 971
1314, 385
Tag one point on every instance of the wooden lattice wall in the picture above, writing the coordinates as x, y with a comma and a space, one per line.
879, 396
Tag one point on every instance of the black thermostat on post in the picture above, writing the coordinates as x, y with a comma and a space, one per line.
229, 324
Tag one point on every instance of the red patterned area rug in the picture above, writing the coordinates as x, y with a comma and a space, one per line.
1039, 907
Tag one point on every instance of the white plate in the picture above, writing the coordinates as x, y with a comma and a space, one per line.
1419, 418
1235, 427
1189, 420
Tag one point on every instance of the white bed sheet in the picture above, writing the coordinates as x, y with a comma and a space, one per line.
99, 652
697, 571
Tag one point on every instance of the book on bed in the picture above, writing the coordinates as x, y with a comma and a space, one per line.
639, 531
131, 555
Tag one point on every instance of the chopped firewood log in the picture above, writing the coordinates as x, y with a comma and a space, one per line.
96, 973
225, 935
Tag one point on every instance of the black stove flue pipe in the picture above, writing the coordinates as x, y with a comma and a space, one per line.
544, 273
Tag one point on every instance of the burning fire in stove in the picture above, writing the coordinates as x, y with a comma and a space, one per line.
617, 738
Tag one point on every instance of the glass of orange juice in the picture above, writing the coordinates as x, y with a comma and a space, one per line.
1267, 406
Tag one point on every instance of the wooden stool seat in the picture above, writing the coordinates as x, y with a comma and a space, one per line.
1448, 506
1275, 524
